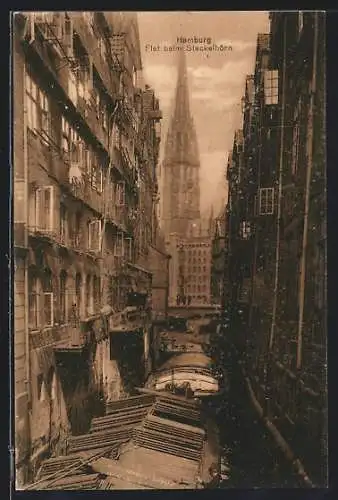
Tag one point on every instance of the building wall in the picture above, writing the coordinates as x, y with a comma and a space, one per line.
54, 408
284, 148
159, 265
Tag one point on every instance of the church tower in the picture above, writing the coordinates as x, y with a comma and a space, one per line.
181, 165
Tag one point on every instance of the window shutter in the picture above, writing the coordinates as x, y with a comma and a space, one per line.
39, 203
48, 308
94, 235
52, 208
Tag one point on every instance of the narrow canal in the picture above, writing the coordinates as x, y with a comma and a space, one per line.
252, 457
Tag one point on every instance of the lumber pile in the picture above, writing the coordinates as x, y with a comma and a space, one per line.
119, 419
75, 482
170, 437
57, 465
100, 439
184, 410
142, 401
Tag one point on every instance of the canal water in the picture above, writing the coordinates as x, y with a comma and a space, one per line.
250, 455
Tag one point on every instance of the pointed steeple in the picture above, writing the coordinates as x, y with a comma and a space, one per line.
182, 105
181, 199
181, 144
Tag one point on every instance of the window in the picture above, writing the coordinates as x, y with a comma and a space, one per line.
97, 179
89, 295
120, 194
94, 235
48, 304
33, 317
44, 209
78, 288
38, 113
53, 384
44, 112
76, 240
63, 298
65, 127
128, 249
72, 87
68, 35
102, 47
118, 247
41, 388
271, 87
76, 146
266, 201
63, 224
295, 138
245, 230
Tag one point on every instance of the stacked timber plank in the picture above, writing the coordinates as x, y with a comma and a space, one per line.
170, 437
183, 410
76, 482
142, 401
57, 465
99, 439
118, 419
116, 426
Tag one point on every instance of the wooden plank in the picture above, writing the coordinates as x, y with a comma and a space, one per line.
176, 425
168, 440
159, 394
112, 469
171, 448
179, 437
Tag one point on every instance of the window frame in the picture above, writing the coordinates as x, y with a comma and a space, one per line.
266, 192
37, 106
47, 294
63, 224
119, 245
40, 207
63, 302
96, 223
271, 89
33, 302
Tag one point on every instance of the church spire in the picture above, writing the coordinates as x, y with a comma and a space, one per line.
182, 105
181, 198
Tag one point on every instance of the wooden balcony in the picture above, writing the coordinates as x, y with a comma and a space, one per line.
88, 41
84, 192
119, 216
90, 116
131, 319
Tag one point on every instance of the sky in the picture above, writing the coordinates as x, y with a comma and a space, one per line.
216, 80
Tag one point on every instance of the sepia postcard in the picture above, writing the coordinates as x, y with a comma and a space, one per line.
169, 237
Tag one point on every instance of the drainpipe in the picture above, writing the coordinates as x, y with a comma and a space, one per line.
309, 155
280, 190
